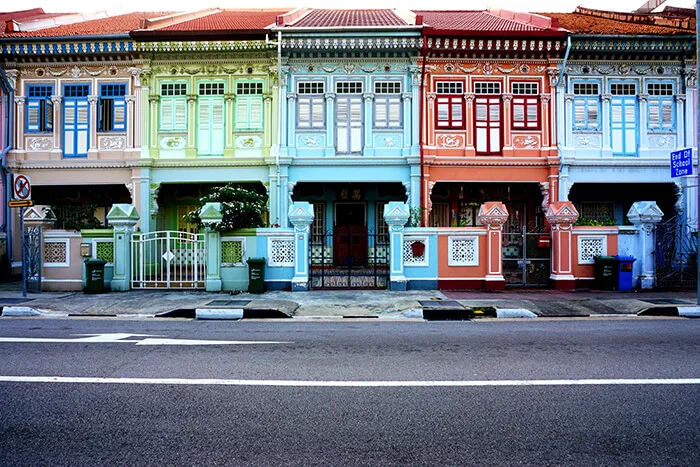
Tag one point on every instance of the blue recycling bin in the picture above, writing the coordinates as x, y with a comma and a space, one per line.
624, 275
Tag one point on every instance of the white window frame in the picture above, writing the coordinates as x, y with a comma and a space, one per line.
249, 98
244, 254
179, 98
312, 99
579, 240
452, 262
65, 264
587, 100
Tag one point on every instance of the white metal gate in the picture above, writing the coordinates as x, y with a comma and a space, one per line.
168, 259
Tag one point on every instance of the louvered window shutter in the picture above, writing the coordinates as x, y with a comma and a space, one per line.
119, 118
33, 113
166, 114
48, 115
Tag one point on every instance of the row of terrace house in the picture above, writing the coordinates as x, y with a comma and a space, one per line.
402, 149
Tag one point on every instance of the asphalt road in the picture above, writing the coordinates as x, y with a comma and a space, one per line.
528, 392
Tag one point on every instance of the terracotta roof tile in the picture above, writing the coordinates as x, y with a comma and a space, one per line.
120, 24
474, 21
228, 20
27, 15
588, 24
319, 18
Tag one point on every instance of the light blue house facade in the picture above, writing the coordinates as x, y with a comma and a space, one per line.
624, 102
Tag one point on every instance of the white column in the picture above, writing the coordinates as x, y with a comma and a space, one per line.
57, 124
643, 128
605, 109
367, 99
330, 123
92, 152
19, 123
408, 118
131, 121
290, 143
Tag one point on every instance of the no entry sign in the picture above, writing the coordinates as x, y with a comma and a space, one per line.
21, 188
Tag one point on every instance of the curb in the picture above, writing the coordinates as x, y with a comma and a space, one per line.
672, 311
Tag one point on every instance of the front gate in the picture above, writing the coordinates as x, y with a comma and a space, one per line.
676, 255
526, 255
349, 257
168, 259
31, 249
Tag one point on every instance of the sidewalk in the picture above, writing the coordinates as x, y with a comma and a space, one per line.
352, 303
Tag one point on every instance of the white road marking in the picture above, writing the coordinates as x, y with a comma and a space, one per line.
343, 384
124, 338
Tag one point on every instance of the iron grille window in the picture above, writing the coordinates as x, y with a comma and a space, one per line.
381, 227
211, 89
487, 88
112, 107
318, 227
39, 108
623, 89
449, 87
600, 212
387, 87
348, 87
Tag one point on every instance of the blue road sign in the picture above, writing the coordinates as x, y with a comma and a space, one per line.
682, 163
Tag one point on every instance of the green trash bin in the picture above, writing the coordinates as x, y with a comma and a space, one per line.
256, 275
606, 272
95, 275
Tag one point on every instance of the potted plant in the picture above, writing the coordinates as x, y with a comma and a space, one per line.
418, 249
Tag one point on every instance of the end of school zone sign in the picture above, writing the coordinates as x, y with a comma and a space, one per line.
682, 163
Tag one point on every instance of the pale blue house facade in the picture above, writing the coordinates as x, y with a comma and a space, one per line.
625, 101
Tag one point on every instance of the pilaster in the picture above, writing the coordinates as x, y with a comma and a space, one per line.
57, 102
493, 214
645, 215
561, 217
92, 151
191, 148
301, 215
367, 99
19, 125
330, 123
396, 215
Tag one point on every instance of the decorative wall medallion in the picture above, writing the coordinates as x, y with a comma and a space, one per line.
310, 142
487, 68
173, 142
248, 142
389, 142
39, 144
450, 141
528, 141
112, 142
524, 69
662, 141
587, 141
449, 68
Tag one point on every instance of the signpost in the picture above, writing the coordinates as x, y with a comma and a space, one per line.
22, 198
682, 163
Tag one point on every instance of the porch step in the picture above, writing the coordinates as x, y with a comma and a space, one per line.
445, 310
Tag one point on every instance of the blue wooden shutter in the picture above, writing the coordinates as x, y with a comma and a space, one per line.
76, 125
48, 115
624, 124
33, 115
119, 114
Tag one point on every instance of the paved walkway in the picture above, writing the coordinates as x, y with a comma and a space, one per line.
382, 304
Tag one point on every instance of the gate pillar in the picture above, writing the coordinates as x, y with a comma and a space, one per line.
561, 217
211, 216
35, 220
645, 215
123, 217
396, 215
301, 215
493, 214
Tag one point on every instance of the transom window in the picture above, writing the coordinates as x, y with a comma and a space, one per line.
387, 87
173, 89
660, 89
623, 89
487, 88
112, 90
76, 90
311, 87
449, 87
211, 89
249, 87
40, 90
526, 88
586, 89
348, 87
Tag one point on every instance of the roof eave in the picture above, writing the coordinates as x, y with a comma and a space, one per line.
66, 38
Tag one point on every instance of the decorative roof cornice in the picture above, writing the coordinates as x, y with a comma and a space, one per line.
72, 164
644, 44
463, 44
52, 47
202, 46
337, 43
202, 163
